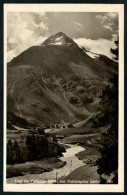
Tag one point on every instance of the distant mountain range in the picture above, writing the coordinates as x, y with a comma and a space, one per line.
56, 82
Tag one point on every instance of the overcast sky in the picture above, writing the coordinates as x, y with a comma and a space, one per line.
95, 31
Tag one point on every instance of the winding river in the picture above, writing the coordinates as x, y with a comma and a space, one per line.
72, 163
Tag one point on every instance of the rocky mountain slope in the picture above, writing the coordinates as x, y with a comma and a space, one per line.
56, 82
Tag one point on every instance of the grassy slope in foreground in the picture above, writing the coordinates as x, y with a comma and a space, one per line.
83, 174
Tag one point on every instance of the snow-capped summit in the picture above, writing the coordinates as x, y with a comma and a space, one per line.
58, 39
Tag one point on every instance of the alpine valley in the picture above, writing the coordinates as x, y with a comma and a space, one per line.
53, 95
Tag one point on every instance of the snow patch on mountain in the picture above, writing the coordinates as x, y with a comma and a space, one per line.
55, 43
59, 38
80, 46
91, 54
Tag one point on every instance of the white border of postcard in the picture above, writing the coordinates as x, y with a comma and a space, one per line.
71, 8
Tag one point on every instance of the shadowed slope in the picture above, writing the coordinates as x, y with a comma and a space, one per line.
43, 80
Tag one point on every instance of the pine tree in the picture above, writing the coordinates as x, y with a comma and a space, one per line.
115, 51
9, 152
16, 153
108, 162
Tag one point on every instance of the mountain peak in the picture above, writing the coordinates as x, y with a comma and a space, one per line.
60, 34
58, 39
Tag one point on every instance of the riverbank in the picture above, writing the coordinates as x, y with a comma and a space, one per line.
34, 167
87, 173
90, 155
72, 163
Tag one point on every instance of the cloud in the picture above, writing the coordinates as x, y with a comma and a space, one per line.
23, 31
112, 15
100, 46
108, 20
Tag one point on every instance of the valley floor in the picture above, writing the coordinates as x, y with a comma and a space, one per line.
77, 163
72, 163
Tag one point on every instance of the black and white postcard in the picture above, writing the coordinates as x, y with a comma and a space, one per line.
64, 97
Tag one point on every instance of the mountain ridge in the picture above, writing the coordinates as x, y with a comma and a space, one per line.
56, 82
